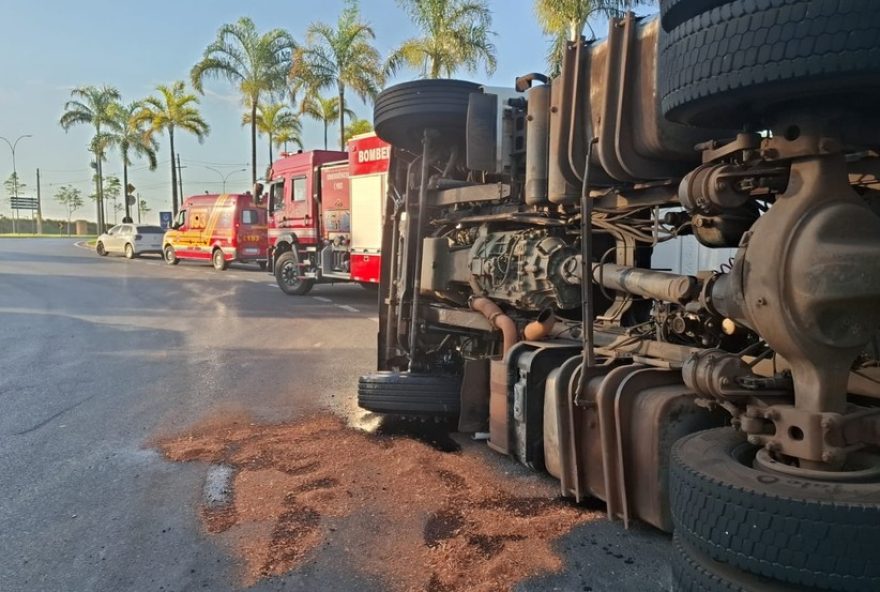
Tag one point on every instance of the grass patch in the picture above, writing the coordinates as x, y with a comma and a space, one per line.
27, 235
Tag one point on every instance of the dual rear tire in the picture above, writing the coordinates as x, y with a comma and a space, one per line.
762, 529
729, 63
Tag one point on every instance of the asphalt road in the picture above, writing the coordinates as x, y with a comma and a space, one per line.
100, 356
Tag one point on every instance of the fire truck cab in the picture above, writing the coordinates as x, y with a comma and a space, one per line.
325, 215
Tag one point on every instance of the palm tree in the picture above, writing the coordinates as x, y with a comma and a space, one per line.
275, 119
95, 106
455, 34
565, 20
324, 110
287, 136
358, 127
132, 138
173, 109
258, 64
343, 57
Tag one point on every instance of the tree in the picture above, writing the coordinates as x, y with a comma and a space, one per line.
565, 20
71, 199
13, 185
273, 120
357, 127
173, 109
455, 34
258, 64
112, 189
132, 139
343, 57
324, 110
143, 208
95, 106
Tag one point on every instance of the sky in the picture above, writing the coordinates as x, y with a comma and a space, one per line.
52, 46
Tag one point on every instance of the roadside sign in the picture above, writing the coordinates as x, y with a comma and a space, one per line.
165, 220
130, 199
24, 203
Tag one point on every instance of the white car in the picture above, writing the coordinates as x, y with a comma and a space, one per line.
130, 240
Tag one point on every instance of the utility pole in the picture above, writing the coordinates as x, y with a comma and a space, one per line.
180, 177
39, 206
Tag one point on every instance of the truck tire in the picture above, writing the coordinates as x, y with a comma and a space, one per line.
402, 112
169, 255
793, 530
287, 275
730, 65
218, 260
407, 393
675, 12
694, 572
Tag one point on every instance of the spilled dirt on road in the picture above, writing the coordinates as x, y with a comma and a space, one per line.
399, 509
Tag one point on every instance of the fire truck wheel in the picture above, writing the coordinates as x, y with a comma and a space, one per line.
736, 63
407, 393
170, 256
129, 252
288, 277
789, 529
100, 250
218, 260
402, 112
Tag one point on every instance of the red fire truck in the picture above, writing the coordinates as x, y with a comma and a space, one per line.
325, 215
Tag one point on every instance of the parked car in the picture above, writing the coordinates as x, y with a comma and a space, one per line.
220, 229
131, 240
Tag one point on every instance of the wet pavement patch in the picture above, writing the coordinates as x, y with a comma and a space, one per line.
408, 513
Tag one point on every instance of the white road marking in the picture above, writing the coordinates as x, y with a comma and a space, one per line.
347, 307
321, 299
374, 319
272, 285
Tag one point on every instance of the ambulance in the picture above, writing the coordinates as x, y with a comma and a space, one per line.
218, 228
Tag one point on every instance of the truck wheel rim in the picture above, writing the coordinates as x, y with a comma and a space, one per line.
289, 274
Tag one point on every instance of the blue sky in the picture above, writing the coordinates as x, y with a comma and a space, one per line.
50, 46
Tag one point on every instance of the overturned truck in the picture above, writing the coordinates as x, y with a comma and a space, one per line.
738, 407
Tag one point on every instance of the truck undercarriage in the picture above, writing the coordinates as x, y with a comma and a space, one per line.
738, 407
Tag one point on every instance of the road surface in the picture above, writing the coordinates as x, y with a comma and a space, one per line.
101, 356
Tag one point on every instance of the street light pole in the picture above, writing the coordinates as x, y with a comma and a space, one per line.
12, 146
226, 176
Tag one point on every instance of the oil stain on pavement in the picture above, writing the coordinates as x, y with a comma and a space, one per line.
410, 515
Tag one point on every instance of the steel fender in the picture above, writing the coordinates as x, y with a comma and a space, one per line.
289, 238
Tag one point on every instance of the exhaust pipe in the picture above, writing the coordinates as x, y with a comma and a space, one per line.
497, 319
